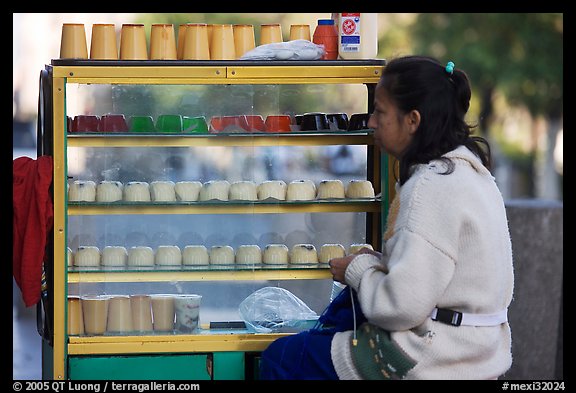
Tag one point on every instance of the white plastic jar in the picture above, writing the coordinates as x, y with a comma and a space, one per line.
357, 35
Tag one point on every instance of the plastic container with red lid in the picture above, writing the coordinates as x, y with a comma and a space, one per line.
326, 34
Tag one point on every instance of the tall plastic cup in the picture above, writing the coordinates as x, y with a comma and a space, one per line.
222, 44
162, 42
196, 45
270, 33
243, 39
133, 42
73, 41
103, 42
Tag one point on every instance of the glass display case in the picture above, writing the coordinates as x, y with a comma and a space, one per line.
183, 187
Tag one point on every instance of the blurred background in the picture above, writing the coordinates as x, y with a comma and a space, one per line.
514, 61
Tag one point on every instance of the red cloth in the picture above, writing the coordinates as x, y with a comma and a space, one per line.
32, 221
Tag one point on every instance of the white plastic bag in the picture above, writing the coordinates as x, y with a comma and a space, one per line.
290, 50
271, 309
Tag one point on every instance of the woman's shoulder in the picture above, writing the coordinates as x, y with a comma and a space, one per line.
443, 180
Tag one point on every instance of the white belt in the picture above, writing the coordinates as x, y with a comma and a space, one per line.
456, 318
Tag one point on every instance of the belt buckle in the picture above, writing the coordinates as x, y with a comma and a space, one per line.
449, 317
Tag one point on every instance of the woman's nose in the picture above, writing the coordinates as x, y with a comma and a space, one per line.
372, 121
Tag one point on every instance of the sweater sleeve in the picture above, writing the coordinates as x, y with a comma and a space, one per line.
420, 255
405, 297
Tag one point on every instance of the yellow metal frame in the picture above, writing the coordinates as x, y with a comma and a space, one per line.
206, 275
219, 140
219, 74
60, 277
224, 208
236, 74
100, 345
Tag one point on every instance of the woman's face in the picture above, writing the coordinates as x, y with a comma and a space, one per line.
393, 130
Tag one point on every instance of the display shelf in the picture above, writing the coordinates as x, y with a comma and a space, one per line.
224, 207
361, 137
225, 72
73, 84
211, 274
172, 343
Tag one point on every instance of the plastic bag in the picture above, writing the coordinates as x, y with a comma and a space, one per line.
290, 50
273, 309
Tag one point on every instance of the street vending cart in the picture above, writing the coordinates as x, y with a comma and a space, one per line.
172, 181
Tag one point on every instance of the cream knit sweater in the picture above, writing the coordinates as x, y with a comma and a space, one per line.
448, 247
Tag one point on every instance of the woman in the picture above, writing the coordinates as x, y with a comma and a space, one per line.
436, 300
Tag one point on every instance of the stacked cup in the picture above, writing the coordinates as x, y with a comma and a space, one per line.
133, 42
73, 41
162, 42
270, 33
300, 32
195, 43
222, 43
243, 39
103, 42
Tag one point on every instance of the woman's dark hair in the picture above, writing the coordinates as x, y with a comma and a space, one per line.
442, 99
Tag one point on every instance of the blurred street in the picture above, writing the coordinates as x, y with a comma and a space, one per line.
26, 342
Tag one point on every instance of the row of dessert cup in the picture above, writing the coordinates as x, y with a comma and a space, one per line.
133, 314
173, 123
199, 255
222, 190
196, 41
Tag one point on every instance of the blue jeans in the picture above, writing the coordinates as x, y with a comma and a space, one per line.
306, 355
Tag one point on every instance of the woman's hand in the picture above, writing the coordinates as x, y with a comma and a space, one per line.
365, 250
338, 267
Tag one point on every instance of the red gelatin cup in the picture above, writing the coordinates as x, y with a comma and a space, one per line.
85, 123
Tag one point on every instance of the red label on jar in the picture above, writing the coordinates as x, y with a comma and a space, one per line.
348, 27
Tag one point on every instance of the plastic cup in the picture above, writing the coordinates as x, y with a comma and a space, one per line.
222, 44
180, 40
119, 315
187, 309
75, 316
243, 39
162, 42
314, 122
216, 124
256, 123
95, 311
196, 124
300, 32
270, 33
142, 124
358, 121
141, 306
196, 45
278, 123
113, 123
73, 41
103, 43
133, 42
169, 123
338, 121
210, 27
234, 123
85, 123
163, 312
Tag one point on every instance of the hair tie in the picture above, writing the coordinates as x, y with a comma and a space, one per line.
450, 67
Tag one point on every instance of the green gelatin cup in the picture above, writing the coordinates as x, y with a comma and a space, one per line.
195, 125
169, 123
142, 124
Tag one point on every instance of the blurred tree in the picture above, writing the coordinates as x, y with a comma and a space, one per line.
520, 54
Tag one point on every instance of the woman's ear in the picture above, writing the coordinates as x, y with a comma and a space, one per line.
413, 120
